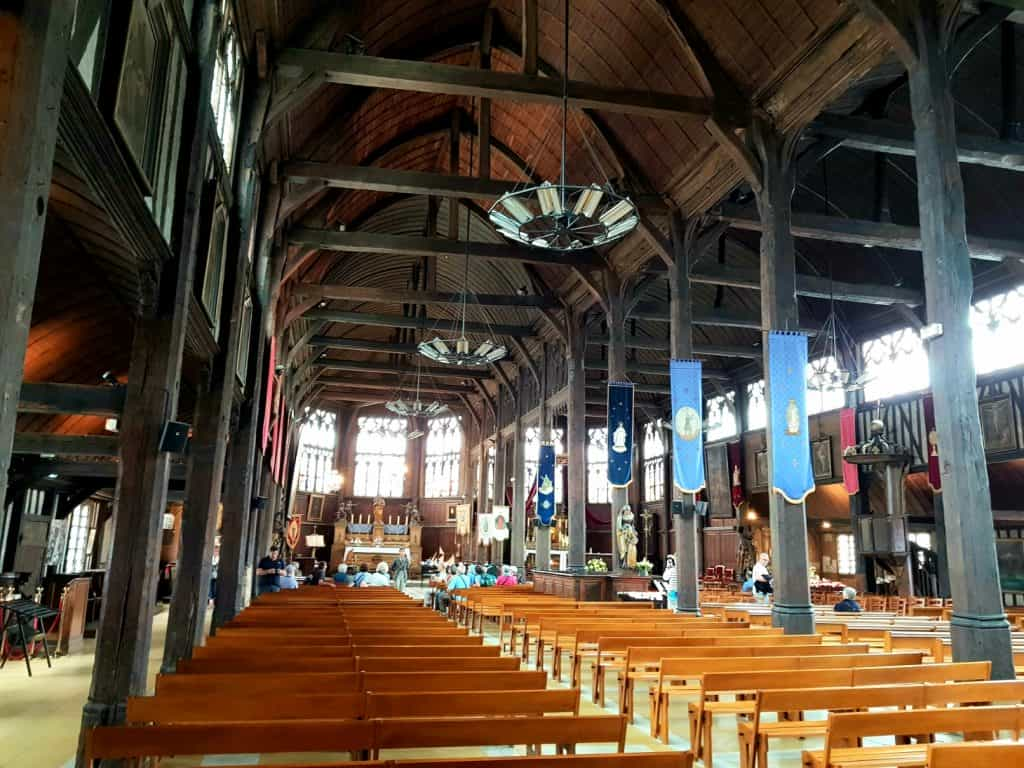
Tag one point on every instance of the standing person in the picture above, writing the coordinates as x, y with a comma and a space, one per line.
400, 569
671, 577
269, 571
762, 578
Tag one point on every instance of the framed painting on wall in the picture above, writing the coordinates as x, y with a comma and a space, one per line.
997, 424
761, 469
316, 509
453, 513
821, 458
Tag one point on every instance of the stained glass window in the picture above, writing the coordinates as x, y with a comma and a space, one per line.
654, 462
597, 465
227, 86
532, 454
996, 327
81, 534
721, 416
846, 554
894, 364
444, 453
317, 438
380, 457
757, 405
821, 399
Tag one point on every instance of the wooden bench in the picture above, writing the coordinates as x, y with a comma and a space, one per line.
262, 664
226, 707
677, 675
275, 736
643, 664
975, 755
348, 682
606, 760
755, 734
853, 727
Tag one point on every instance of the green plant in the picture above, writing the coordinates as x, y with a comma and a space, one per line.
597, 565
644, 567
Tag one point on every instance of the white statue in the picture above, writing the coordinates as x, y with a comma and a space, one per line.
619, 439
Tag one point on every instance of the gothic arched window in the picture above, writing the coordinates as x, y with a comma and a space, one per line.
444, 455
380, 457
317, 438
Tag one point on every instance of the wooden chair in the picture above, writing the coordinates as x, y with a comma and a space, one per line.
975, 755
853, 727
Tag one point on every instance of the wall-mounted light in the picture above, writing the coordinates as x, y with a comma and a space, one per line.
826, 525
751, 515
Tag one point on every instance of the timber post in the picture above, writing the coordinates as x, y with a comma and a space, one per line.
500, 471
921, 34
576, 440
774, 154
687, 531
517, 532
542, 533
33, 62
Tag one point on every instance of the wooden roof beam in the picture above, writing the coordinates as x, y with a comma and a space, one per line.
870, 233
429, 77
49, 397
422, 323
369, 295
662, 345
362, 345
390, 385
43, 443
366, 366
897, 139
407, 245
658, 312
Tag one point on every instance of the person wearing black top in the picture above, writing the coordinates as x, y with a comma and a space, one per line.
268, 572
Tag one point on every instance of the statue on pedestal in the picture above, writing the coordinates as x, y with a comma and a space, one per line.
626, 537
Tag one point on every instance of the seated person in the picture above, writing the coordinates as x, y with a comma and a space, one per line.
506, 579
849, 602
341, 578
487, 579
379, 578
360, 577
458, 581
513, 573
316, 574
288, 581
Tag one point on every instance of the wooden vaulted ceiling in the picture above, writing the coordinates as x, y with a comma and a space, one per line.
788, 57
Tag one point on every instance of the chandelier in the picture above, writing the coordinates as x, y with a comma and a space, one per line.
415, 407
564, 217
832, 346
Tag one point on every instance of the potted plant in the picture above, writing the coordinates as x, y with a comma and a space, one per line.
644, 567
597, 565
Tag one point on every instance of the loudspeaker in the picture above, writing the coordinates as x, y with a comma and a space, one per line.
260, 502
174, 438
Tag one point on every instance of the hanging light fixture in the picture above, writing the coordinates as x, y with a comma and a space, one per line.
562, 216
833, 346
460, 351
415, 407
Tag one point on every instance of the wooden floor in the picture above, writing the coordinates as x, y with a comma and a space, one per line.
39, 719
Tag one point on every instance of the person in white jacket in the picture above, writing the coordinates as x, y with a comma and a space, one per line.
671, 577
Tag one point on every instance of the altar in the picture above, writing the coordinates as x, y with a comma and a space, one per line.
377, 537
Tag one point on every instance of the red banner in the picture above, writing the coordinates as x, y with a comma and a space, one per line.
848, 437
934, 475
292, 531
736, 474
268, 406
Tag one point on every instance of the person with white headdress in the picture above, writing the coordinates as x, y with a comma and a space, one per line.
671, 577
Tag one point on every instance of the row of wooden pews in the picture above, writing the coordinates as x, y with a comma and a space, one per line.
357, 678
852, 691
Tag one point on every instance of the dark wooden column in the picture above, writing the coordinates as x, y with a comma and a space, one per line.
500, 476
517, 534
576, 440
33, 60
481, 491
616, 318
154, 376
265, 520
237, 518
687, 533
921, 34
774, 153
543, 532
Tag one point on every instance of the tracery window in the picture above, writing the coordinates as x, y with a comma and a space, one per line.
996, 327
380, 457
654, 462
894, 364
490, 472
846, 554
317, 438
81, 536
721, 417
757, 405
444, 453
227, 85
823, 400
532, 454
597, 465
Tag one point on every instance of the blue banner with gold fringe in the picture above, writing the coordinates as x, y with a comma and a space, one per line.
687, 425
790, 445
546, 484
620, 434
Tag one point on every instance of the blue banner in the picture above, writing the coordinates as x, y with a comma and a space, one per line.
620, 434
546, 484
792, 474
687, 425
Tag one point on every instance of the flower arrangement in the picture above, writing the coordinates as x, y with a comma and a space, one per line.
644, 567
597, 565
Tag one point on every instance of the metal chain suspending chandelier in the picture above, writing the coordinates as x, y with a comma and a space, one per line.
415, 407
562, 216
459, 351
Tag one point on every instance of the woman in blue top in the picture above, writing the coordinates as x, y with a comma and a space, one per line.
364, 571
